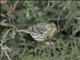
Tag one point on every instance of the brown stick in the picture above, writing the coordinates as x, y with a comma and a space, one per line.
3, 1
12, 8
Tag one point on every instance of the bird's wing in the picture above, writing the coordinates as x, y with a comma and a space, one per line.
36, 29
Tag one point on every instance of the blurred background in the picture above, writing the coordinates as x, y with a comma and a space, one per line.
19, 14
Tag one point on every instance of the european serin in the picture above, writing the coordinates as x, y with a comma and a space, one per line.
42, 32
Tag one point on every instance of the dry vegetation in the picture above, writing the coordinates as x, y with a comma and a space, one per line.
17, 14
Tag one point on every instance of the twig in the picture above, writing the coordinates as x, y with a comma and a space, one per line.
75, 31
3, 1
5, 52
12, 8
2, 41
77, 57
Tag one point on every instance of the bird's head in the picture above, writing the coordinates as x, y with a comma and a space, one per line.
52, 29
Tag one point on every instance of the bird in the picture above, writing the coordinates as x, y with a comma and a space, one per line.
41, 32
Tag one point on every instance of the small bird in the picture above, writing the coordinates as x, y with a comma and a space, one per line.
42, 32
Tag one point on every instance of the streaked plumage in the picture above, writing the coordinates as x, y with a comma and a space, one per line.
42, 32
